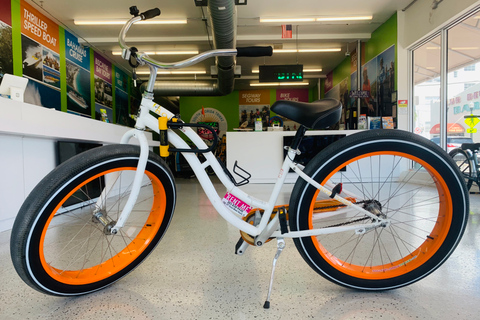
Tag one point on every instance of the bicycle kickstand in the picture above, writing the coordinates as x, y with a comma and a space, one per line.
280, 247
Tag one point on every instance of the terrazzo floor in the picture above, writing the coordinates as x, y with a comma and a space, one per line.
194, 274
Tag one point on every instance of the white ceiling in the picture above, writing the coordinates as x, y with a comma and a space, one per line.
250, 31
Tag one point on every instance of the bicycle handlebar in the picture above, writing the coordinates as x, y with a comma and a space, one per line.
256, 51
142, 58
149, 14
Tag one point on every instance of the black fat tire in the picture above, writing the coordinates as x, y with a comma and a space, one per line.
324, 253
39, 207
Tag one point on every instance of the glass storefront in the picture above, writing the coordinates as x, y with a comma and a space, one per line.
461, 105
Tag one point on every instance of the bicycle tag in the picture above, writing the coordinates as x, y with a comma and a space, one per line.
236, 205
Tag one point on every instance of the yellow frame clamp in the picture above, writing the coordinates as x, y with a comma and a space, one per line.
163, 130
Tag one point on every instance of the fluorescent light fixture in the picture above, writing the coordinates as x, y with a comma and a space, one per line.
307, 50
266, 20
319, 19
347, 18
274, 84
80, 22
304, 70
118, 53
141, 72
463, 48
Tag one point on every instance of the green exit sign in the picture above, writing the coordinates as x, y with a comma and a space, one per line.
280, 73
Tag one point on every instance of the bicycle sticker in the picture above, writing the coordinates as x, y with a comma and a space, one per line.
236, 205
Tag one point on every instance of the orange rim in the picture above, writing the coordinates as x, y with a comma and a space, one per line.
410, 262
121, 259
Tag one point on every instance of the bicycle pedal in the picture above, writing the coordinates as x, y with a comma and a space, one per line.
282, 217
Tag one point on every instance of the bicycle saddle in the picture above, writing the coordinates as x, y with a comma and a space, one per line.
471, 146
319, 114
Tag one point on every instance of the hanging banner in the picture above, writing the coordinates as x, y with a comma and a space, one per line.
6, 56
39, 28
78, 76
6, 12
40, 57
103, 88
121, 98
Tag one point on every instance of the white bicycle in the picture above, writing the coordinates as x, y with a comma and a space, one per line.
376, 210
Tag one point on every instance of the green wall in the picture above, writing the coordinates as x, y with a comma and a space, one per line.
228, 105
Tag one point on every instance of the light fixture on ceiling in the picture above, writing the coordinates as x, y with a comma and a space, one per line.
307, 50
347, 18
304, 70
80, 22
118, 53
275, 84
267, 20
143, 72
318, 19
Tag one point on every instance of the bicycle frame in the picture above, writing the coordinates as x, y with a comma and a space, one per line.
264, 229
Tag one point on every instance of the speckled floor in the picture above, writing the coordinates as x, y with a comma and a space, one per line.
194, 274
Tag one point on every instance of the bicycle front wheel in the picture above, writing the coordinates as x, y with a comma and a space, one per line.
61, 244
461, 160
397, 176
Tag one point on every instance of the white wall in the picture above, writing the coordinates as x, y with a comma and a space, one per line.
422, 20
28, 135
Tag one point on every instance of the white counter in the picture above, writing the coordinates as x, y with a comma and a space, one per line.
261, 153
27, 147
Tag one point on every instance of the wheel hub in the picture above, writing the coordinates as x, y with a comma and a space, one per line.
375, 207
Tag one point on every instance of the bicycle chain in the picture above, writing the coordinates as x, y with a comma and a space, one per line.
344, 223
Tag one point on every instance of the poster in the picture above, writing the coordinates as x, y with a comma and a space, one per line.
121, 99
40, 57
340, 92
103, 87
378, 77
6, 54
78, 76
254, 104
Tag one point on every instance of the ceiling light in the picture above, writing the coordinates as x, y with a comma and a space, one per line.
118, 53
319, 19
287, 19
348, 18
274, 84
306, 50
174, 72
464, 48
304, 70
123, 21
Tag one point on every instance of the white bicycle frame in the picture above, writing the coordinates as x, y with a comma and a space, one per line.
264, 229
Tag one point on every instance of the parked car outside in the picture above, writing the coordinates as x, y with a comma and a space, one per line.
453, 142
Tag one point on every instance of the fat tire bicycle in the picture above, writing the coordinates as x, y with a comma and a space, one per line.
466, 158
376, 210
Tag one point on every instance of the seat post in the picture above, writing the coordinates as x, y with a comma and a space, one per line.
298, 137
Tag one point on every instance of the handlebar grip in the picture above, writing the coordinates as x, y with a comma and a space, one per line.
149, 14
254, 51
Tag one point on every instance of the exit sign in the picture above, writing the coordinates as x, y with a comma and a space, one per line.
281, 73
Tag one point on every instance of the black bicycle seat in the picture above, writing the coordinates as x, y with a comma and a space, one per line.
471, 146
319, 114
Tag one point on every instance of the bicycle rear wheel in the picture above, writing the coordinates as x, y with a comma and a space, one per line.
60, 245
398, 176
461, 160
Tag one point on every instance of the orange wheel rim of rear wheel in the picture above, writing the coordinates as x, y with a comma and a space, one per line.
121, 259
417, 257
